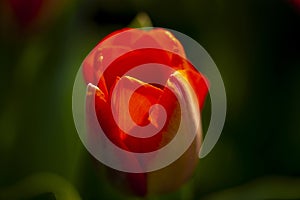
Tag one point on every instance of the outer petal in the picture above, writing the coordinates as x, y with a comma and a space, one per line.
116, 44
167, 41
135, 182
164, 179
199, 84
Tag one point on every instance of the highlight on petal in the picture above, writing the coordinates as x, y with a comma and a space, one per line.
198, 82
164, 179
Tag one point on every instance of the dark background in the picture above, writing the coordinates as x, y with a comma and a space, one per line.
255, 44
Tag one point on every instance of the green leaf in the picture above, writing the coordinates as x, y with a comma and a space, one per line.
141, 20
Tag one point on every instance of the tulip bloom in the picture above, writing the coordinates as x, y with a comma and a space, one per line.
114, 87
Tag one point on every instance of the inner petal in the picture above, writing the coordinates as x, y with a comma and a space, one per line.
141, 97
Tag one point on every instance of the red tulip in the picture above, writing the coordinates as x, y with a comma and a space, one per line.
111, 87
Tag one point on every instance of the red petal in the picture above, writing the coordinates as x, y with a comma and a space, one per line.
141, 101
199, 84
137, 181
167, 41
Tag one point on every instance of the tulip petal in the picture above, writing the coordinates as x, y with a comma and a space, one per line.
136, 181
139, 105
198, 82
167, 40
164, 179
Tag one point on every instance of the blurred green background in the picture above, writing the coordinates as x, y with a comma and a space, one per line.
255, 44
